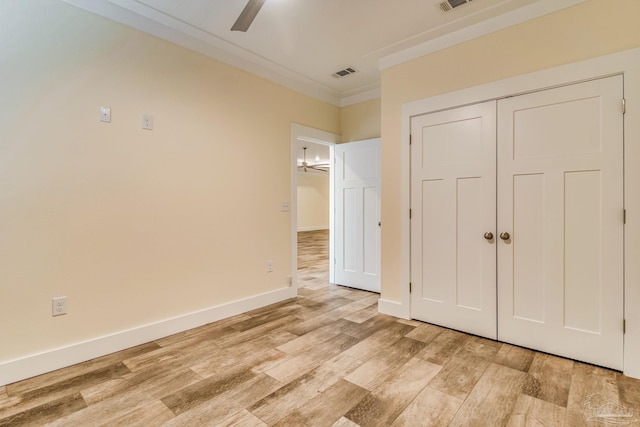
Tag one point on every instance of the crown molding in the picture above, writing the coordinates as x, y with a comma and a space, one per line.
140, 17
361, 97
488, 26
148, 20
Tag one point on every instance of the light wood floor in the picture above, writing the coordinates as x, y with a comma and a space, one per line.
324, 358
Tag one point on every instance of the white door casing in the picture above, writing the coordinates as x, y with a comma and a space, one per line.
306, 134
560, 196
453, 265
357, 214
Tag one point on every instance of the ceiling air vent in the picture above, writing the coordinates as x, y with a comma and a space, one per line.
344, 73
449, 5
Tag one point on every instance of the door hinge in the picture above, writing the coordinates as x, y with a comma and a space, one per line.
410, 139
624, 216
410, 213
410, 287
624, 106
624, 326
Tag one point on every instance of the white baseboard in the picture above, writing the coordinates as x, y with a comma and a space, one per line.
36, 364
393, 308
318, 228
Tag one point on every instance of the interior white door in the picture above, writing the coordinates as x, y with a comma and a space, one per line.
453, 206
560, 197
357, 214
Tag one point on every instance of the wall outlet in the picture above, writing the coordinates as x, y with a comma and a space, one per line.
59, 306
269, 266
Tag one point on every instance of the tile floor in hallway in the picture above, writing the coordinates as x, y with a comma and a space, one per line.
325, 358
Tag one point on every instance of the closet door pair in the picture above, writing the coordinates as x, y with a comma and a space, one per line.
517, 220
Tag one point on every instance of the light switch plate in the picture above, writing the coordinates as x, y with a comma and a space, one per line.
105, 114
147, 122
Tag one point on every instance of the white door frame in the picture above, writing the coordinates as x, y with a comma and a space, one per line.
314, 136
625, 63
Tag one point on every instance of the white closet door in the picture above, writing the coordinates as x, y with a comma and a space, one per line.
560, 197
357, 214
453, 265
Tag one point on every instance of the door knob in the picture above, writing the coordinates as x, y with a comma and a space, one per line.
505, 236
488, 235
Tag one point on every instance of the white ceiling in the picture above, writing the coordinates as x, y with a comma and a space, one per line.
301, 43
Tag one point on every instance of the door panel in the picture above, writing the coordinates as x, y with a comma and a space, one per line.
357, 214
348, 225
578, 136
529, 248
583, 241
435, 266
560, 196
370, 239
469, 197
453, 205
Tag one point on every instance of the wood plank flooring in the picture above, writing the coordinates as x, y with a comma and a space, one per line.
325, 358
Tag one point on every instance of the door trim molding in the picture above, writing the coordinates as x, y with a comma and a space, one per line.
315, 136
625, 63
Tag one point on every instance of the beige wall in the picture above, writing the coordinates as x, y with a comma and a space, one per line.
584, 31
313, 201
133, 226
360, 121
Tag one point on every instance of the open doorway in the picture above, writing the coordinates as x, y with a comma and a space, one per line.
312, 205
314, 200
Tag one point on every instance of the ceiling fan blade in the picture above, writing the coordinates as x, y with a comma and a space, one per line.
319, 168
247, 15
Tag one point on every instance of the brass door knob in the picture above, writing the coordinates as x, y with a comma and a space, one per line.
488, 235
505, 236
